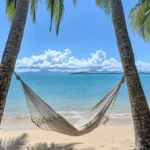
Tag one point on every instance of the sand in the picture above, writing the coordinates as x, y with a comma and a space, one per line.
109, 137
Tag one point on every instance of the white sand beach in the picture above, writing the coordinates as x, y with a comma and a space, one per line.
110, 137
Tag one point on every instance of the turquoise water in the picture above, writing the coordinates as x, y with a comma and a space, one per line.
66, 92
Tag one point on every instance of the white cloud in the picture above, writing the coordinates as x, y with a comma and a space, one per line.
143, 66
53, 60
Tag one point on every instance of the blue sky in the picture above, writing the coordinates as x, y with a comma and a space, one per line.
84, 30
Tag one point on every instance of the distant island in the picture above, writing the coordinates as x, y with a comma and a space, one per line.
44, 71
98, 72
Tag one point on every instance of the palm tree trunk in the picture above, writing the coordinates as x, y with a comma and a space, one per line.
139, 106
11, 50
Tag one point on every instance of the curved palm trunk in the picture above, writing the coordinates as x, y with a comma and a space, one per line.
11, 50
139, 106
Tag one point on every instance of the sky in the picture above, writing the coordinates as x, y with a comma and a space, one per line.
86, 40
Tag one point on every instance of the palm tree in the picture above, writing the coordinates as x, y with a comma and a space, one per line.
140, 19
12, 47
17, 11
139, 106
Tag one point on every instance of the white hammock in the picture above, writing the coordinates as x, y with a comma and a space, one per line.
45, 117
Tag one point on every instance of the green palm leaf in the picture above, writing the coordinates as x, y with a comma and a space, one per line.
10, 8
104, 4
33, 9
50, 7
140, 19
74, 1
56, 9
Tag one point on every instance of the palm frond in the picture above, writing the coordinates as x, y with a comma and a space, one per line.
74, 2
10, 8
104, 4
58, 13
56, 9
33, 9
140, 19
50, 7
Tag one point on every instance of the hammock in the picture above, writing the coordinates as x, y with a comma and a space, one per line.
46, 118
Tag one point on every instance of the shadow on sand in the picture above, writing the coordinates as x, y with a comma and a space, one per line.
20, 143
45, 146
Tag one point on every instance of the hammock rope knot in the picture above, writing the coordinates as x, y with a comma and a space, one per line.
17, 76
123, 79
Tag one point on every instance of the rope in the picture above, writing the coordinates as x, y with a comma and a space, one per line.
17, 76
123, 79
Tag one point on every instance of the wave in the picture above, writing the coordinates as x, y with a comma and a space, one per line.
72, 115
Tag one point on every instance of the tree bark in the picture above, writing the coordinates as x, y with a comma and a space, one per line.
139, 107
11, 50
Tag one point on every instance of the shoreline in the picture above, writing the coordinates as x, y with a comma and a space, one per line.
21, 123
71, 114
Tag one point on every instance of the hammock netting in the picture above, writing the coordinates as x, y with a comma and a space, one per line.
46, 118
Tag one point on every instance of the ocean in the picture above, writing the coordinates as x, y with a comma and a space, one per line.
73, 94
